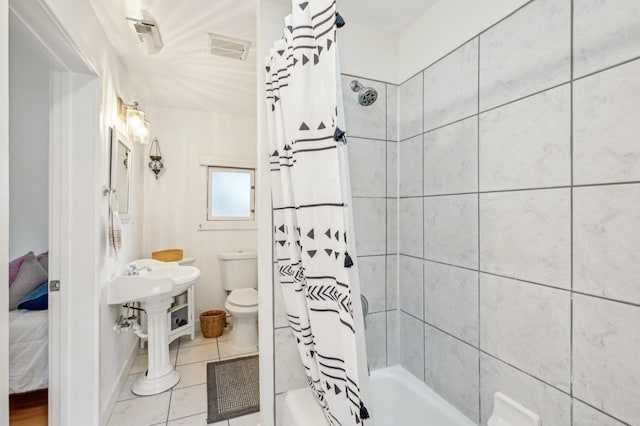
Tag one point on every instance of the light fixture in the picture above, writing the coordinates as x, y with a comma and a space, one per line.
133, 118
155, 155
144, 26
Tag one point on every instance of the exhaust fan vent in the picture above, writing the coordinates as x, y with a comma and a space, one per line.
228, 47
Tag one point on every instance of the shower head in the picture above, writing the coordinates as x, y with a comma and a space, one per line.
366, 95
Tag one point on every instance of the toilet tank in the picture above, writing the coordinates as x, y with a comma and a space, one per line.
238, 270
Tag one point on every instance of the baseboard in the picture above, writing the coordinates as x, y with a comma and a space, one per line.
119, 384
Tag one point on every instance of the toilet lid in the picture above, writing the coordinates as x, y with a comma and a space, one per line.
243, 297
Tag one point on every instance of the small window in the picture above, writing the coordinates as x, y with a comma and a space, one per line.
230, 194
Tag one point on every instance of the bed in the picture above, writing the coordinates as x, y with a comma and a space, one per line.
28, 350
28, 323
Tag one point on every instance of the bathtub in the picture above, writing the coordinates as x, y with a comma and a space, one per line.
397, 398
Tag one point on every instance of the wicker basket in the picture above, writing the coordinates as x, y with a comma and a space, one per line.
212, 323
169, 255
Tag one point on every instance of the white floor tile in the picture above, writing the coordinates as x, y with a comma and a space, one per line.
149, 410
188, 401
226, 335
198, 353
192, 374
126, 390
248, 420
197, 420
227, 350
185, 341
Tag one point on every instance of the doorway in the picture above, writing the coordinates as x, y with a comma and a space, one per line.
68, 97
29, 97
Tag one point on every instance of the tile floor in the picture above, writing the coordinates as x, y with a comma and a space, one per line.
185, 404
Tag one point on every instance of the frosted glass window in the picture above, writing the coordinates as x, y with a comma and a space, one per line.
230, 194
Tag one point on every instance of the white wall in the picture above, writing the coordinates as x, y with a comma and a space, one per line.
80, 21
445, 26
173, 203
368, 52
4, 211
28, 149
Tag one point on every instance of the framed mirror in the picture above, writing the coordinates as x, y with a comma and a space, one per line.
120, 174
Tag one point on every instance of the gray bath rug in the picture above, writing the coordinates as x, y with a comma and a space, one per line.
232, 388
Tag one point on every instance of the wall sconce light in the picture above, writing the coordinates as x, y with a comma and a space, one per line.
155, 155
132, 116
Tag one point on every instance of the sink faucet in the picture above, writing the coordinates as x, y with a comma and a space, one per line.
135, 271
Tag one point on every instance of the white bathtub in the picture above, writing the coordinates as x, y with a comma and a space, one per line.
397, 399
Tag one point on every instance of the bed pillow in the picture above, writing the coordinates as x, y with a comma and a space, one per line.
43, 258
14, 268
31, 275
37, 300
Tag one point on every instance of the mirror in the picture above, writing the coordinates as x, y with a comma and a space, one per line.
121, 164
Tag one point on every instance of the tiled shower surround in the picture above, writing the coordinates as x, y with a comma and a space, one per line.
372, 149
519, 218
519, 205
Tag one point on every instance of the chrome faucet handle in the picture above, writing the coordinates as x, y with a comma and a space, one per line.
135, 271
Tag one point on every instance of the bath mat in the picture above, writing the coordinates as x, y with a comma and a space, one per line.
232, 388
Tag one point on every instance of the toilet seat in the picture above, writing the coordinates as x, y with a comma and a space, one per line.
243, 297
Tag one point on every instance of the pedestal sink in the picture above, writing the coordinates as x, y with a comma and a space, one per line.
153, 283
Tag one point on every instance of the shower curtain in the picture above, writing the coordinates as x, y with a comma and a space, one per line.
310, 230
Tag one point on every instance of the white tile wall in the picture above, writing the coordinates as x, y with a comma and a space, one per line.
411, 167
606, 235
528, 326
526, 235
365, 122
584, 415
392, 169
553, 406
451, 369
411, 286
372, 270
605, 33
451, 300
527, 144
606, 126
606, 344
552, 222
392, 112
376, 335
526, 53
392, 281
367, 167
451, 227
411, 222
411, 354
392, 225
393, 337
451, 158
451, 87
370, 222
410, 95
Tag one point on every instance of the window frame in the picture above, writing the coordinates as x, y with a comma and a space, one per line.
201, 213
252, 201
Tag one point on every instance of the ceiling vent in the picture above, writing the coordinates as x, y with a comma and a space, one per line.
228, 47
146, 29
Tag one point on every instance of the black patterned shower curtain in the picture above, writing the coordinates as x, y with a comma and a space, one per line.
310, 229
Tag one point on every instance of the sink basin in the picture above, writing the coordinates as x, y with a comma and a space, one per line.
181, 276
163, 281
154, 285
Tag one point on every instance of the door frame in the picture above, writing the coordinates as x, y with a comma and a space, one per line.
74, 166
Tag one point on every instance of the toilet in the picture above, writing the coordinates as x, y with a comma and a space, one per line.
239, 271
